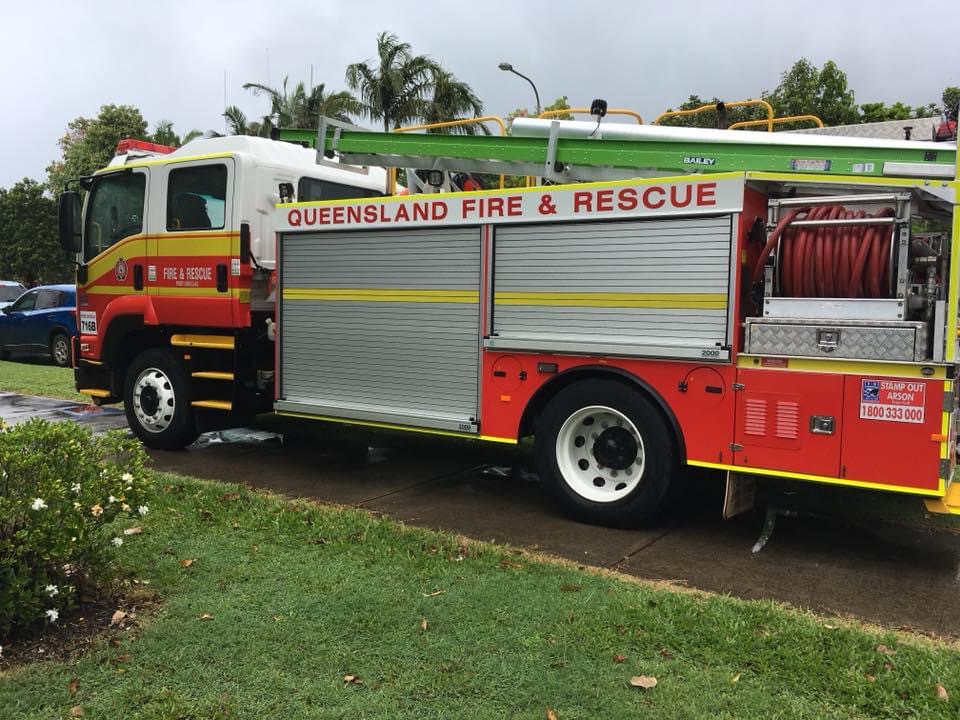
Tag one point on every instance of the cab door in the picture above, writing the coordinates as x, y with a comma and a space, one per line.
194, 260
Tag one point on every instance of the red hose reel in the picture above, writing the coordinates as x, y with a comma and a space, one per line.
834, 260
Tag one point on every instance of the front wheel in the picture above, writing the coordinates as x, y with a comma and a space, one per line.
605, 453
60, 350
157, 401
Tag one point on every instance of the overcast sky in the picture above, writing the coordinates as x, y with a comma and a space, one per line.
61, 60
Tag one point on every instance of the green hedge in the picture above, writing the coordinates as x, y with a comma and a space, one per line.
60, 490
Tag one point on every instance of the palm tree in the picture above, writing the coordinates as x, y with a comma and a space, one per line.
453, 100
237, 123
395, 90
297, 108
338, 105
286, 109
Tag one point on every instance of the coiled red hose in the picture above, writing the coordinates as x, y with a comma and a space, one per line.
841, 261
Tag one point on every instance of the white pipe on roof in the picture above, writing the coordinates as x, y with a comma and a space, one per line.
535, 127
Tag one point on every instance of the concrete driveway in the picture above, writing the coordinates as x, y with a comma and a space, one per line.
836, 555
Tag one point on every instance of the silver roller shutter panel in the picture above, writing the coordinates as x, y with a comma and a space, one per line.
351, 348
657, 288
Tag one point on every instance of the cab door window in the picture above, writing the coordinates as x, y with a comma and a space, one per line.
114, 211
196, 198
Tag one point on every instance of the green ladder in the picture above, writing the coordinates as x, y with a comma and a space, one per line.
567, 151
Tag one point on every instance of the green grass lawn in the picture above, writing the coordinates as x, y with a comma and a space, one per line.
282, 600
30, 376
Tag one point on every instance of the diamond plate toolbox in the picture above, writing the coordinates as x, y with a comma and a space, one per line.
860, 340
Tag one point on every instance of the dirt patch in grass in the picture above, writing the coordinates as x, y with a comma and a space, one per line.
90, 624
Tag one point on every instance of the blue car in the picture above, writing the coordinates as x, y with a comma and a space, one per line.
42, 320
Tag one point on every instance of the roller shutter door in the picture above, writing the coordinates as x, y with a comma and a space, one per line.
382, 325
655, 288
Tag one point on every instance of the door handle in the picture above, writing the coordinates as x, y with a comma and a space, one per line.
138, 277
221, 277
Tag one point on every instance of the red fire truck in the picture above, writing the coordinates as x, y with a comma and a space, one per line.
762, 304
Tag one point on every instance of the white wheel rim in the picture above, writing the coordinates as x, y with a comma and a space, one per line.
600, 429
157, 417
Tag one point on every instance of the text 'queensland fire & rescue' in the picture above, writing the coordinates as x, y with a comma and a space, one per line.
549, 204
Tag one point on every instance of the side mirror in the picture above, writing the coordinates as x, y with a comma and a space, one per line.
70, 221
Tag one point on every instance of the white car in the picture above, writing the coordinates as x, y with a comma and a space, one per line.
10, 291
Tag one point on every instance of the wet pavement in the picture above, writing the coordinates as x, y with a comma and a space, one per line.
16, 408
831, 556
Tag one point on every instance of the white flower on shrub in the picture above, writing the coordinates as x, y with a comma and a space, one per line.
143, 509
111, 499
127, 478
75, 487
52, 614
39, 504
96, 511
118, 541
52, 590
125, 507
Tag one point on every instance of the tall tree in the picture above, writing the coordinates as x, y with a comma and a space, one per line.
951, 101
395, 89
298, 107
806, 89
29, 248
453, 100
164, 134
237, 123
89, 143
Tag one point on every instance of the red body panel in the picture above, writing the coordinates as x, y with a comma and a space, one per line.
900, 443
704, 415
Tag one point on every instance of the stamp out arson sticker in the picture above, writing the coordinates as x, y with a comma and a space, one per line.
892, 400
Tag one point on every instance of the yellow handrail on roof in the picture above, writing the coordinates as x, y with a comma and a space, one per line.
777, 121
392, 179
586, 111
713, 106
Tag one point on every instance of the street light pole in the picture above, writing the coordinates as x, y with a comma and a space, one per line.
507, 67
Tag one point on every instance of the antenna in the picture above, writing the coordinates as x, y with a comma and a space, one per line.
226, 128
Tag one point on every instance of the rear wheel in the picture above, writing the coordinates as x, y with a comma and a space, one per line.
157, 401
605, 453
60, 350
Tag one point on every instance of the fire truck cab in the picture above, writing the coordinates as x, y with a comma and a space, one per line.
176, 243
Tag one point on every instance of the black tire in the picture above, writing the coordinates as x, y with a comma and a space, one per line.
156, 397
60, 351
629, 488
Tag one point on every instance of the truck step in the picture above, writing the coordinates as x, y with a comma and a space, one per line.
212, 375
210, 342
95, 392
949, 503
213, 404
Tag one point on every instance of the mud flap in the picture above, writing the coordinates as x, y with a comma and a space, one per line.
740, 495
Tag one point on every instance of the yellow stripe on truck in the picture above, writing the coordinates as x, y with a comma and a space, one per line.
416, 295
699, 301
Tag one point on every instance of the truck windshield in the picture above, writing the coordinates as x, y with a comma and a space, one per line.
114, 211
